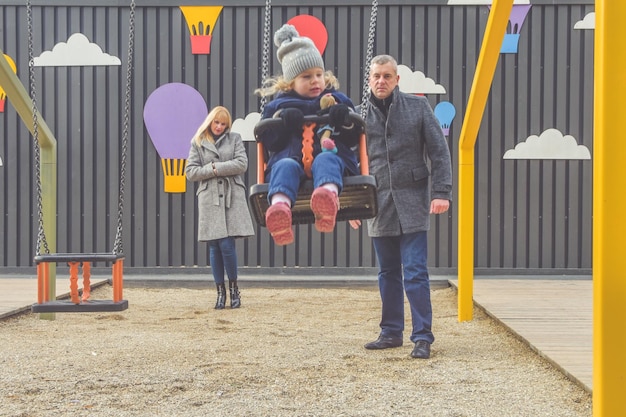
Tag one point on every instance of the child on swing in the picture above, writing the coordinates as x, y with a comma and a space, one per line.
298, 92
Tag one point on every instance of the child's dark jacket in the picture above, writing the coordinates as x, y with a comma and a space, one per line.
282, 143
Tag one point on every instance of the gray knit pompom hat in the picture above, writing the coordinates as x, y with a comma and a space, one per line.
296, 53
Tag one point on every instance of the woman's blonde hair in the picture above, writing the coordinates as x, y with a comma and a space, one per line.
277, 84
219, 113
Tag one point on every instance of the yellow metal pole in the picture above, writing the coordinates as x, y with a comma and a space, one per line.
22, 103
609, 206
485, 69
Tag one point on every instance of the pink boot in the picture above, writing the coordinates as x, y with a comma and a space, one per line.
325, 205
278, 222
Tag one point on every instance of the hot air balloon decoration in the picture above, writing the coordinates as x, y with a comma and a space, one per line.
3, 96
172, 115
201, 22
445, 112
312, 28
516, 20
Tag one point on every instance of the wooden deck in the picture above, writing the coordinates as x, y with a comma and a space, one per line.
553, 316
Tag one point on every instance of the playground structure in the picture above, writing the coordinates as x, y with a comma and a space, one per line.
608, 292
46, 190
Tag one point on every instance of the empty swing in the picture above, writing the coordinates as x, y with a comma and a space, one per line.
358, 198
78, 303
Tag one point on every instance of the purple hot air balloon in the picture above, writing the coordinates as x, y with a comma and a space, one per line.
516, 20
172, 114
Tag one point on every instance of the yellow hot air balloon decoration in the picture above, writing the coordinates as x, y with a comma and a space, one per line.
201, 22
3, 95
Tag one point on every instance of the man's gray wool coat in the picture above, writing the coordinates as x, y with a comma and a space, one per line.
222, 201
400, 148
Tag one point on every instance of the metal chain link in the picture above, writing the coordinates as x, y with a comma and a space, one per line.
118, 245
41, 234
368, 57
265, 66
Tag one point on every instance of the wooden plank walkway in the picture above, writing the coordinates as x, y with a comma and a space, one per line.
553, 316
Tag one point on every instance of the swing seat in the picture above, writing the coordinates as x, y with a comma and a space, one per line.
78, 304
356, 201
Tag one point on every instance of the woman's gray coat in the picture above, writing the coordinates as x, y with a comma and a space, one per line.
222, 200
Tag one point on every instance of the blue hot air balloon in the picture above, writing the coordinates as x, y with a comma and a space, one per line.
445, 113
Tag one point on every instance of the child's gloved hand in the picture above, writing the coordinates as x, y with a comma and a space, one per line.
338, 114
293, 119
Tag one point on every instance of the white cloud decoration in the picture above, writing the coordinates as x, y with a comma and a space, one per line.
551, 144
245, 127
417, 83
77, 51
588, 22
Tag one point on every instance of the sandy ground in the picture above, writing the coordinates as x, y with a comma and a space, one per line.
286, 352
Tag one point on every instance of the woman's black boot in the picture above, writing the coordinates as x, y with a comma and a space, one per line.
221, 296
235, 299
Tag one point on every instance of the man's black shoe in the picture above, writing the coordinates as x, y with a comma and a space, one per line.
384, 343
421, 350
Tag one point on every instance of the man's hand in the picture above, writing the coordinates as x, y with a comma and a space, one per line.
355, 224
439, 205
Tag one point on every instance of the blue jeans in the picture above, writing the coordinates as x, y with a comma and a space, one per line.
403, 269
223, 256
287, 173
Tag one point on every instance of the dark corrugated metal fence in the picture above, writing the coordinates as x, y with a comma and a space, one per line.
530, 214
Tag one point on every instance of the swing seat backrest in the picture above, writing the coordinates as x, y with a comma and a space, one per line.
357, 200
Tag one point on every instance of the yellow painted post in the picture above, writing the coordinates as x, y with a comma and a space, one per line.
22, 103
485, 69
609, 206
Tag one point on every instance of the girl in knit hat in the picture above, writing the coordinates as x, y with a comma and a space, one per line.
298, 92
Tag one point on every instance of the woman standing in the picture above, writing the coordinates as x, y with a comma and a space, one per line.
218, 160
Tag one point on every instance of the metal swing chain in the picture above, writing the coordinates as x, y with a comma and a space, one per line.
118, 245
368, 57
41, 234
265, 66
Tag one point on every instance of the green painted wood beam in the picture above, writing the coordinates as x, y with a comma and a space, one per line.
21, 101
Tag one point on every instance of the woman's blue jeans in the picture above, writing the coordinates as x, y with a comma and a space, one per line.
403, 269
223, 256
287, 173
